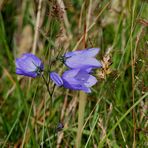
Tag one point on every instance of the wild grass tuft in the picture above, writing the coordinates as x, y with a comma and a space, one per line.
115, 113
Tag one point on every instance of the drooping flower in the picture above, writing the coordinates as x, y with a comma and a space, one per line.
56, 78
76, 79
82, 59
29, 65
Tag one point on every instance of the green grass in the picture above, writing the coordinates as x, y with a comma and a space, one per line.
114, 114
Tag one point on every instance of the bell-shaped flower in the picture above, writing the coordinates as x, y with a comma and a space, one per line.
29, 65
75, 79
56, 78
82, 59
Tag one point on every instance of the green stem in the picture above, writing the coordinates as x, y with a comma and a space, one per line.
82, 104
47, 85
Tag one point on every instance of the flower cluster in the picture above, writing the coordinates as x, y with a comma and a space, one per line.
80, 64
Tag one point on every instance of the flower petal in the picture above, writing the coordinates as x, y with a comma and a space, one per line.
82, 62
72, 84
91, 81
90, 52
70, 73
72, 53
29, 74
69, 80
86, 89
82, 76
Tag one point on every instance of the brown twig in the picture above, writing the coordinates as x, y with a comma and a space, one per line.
37, 26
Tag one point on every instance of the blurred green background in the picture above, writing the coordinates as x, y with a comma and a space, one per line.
115, 113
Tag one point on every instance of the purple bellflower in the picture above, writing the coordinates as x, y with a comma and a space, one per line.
82, 59
75, 79
29, 65
56, 78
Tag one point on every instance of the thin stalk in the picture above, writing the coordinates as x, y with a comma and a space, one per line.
47, 85
37, 26
82, 104
133, 73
